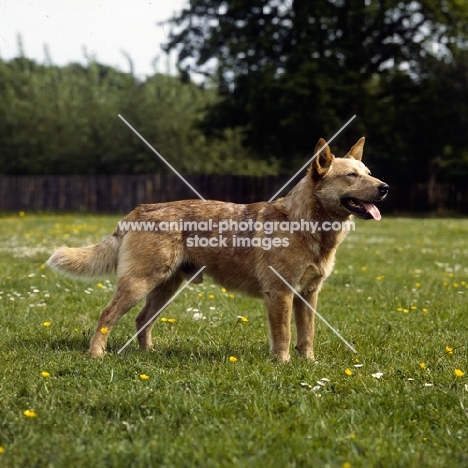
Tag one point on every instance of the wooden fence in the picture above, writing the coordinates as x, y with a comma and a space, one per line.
121, 193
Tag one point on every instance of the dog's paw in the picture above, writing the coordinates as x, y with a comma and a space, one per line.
306, 354
145, 345
282, 357
309, 356
96, 352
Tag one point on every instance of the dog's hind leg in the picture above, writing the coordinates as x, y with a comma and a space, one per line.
304, 317
145, 261
155, 300
128, 293
279, 311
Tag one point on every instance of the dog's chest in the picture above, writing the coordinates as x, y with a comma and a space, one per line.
316, 270
312, 277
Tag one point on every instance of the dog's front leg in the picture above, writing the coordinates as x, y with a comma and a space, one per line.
279, 310
305, 317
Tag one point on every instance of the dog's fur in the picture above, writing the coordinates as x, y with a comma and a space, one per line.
154, 264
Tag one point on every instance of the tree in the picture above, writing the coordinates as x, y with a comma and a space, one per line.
64, 120
291, 71
429, 117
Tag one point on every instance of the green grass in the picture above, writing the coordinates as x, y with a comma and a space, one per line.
398, 294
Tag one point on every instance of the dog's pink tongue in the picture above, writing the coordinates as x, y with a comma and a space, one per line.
373, 210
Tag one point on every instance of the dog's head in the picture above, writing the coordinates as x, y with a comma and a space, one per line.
344, 186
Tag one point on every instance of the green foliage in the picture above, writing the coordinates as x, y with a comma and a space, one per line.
290, 72
425, 120
65, 121
278, 75
199, 409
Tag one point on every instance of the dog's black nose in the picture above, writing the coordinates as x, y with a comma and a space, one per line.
383, 189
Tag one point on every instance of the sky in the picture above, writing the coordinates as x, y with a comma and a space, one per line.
108, 29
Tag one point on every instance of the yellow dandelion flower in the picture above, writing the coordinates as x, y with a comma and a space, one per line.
449, 349
242, 319
21, 214
232, 358
231, 296
363, 268
400, 309
164, 319
42, 267
211, 296
456, 285
171, 320
418, 285
352, 436
45, 374
380, 278
422, 365
46, 324
223, 290
144, 377
459, 373
348, 372
406, 311
413, 307
1, 449
30, 413
200, 294
463, 283
104, 330
346, 465
99, 285
424, 310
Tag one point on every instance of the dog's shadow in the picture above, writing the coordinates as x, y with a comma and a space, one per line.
170, 353
36, 345
179, 354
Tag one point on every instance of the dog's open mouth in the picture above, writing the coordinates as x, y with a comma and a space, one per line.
361, 209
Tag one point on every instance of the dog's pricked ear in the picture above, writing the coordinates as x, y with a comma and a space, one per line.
322, 162
357, 150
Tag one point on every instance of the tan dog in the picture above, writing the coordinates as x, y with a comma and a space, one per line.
153, 262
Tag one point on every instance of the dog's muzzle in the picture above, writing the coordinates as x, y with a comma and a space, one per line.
366, 209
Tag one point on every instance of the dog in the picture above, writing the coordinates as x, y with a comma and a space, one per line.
153, 263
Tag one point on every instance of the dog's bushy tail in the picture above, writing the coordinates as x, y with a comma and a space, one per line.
92, 261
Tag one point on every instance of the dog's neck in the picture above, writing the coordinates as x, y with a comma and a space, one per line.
301, 203
297, 203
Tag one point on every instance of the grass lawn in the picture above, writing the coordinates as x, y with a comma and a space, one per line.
398, 294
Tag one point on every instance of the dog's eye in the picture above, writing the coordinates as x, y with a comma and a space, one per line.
352, 174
